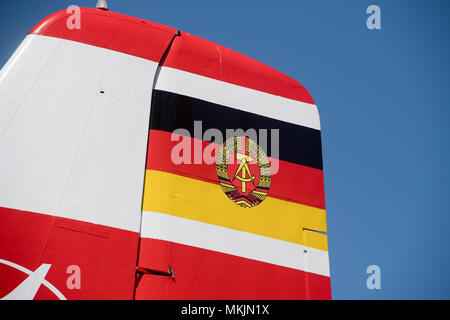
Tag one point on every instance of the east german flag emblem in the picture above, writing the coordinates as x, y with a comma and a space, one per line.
244, 171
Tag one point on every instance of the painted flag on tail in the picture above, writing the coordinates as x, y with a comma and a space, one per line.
234, 197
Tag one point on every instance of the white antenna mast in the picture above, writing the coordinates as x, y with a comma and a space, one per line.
101, 4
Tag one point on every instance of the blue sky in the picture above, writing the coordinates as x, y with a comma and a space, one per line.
383, 97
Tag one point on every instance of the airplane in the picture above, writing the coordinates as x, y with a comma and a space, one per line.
109, 189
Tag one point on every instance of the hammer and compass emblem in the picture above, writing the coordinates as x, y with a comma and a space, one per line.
243, 171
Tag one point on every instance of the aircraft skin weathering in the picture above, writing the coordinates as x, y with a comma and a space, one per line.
92, 205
